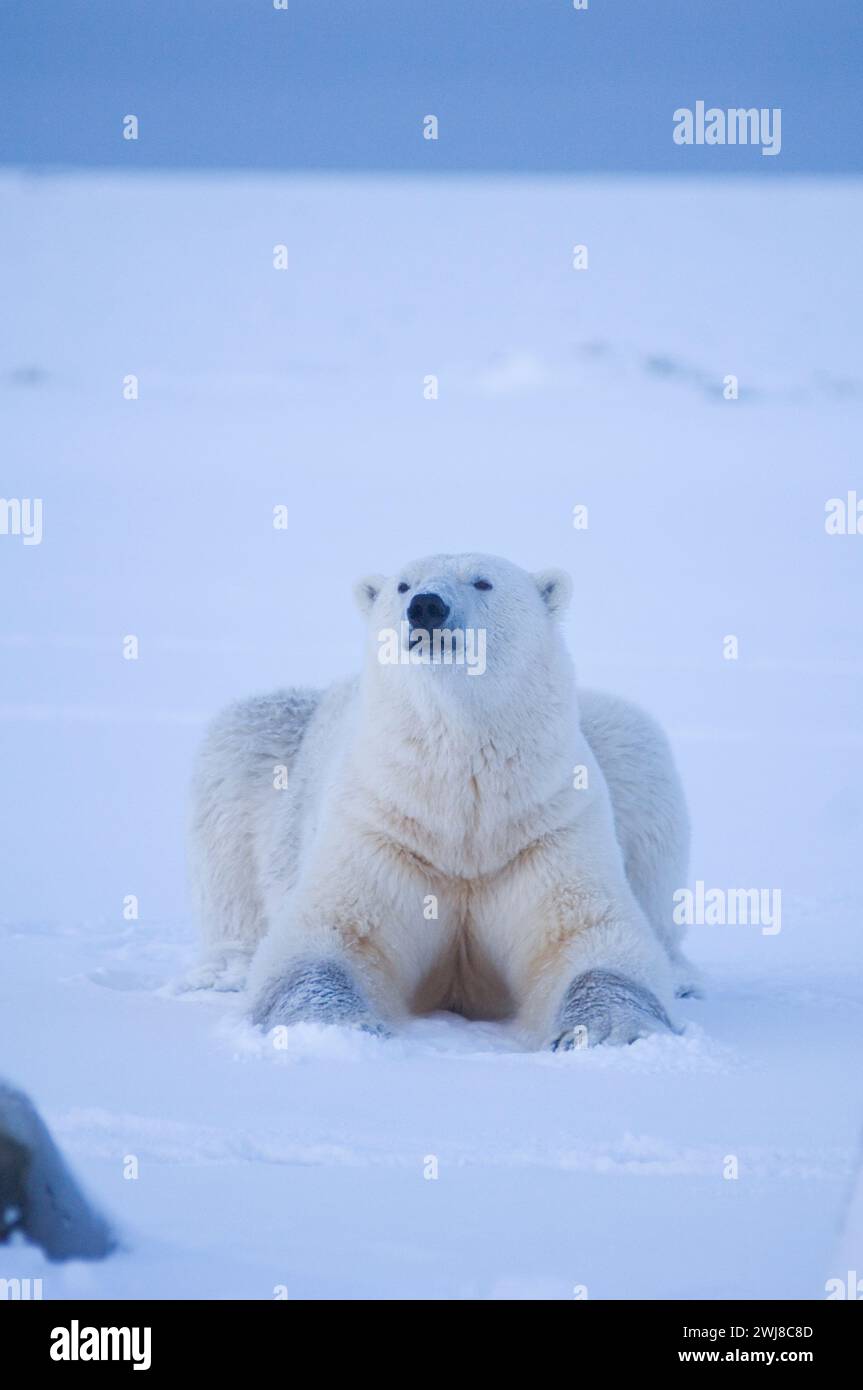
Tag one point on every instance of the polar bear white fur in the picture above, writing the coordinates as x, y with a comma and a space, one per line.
435, 837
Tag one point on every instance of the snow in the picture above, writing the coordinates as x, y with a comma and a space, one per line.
303, 1169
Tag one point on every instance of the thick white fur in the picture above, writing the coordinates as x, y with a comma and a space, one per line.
419, 780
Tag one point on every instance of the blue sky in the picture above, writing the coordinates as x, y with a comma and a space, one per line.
344, 84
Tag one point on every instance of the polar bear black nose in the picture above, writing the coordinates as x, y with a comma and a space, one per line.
427, 611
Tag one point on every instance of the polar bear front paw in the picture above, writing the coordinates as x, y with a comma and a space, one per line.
602, 1007
314, 992
224, 970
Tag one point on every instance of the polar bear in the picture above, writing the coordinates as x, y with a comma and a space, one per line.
456, 829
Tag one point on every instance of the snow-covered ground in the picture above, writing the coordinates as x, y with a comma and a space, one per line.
257, 387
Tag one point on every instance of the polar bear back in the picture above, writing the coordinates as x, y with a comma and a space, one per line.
650, 817
235, 776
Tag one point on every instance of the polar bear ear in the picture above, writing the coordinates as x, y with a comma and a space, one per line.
366, 591
555, 589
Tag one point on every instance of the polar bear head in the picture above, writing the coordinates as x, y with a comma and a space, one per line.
461, 621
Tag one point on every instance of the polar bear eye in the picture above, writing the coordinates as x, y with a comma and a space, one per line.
482, 584
403, 587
